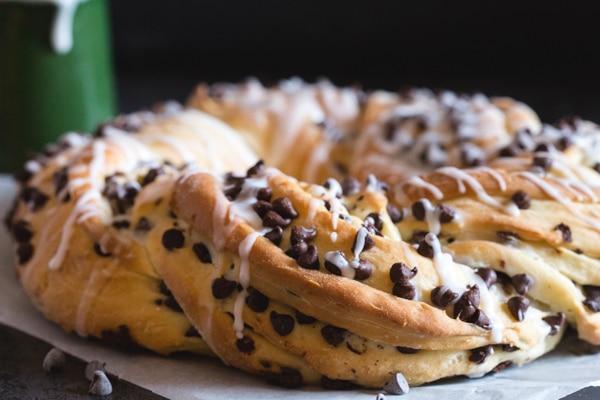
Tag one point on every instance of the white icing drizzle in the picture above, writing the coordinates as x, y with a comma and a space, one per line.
61, 36
463, 178
95, 284
337, 258
417, 182
244, 277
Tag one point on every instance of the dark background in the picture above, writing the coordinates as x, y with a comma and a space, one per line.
543, 53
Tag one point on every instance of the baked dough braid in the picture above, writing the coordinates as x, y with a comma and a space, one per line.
79, 236
313, 282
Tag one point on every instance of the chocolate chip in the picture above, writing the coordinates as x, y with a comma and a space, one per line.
502, 366
261, 208
407, 350
24, 252
283, 324
192, 332
232, 192
466, 306
377, 221
54, 360
287, 377
446, 213
336, 384
33, 198
100, 384
509, 348
592, 297
304, 319
275, 235
121, 224
333, 335
405, 290
441, 296
284, 207
221, 288
521, 199
350, 186
21, 231
507, 237
522, 283
367, 243
425, 249
397, 385
257, 301
202, 252
333, 268
556, 322
400, 272
481, 319
99, 251
173, 239
143, 225
273, 219
151, 175
396, 215
564, 143
92, 367
264, 194
566, 232
517, 306
302, 234
245, 345
479, 354
509, 151
418, 236
60, 179
488, 275
310, 259
255, 169
543, 162
363, 270
297, 250
418, 210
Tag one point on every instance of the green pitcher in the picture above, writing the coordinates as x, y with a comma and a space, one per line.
56, 73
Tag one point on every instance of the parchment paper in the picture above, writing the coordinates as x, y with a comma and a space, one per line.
188, 377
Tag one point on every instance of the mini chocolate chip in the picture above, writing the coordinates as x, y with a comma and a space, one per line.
202, 252
488, 275
596, 167
310, 259
350, 186
283, 324
556, 322
143, 225
192, 332
405, 290
284, 207
472, 295
466, 306
287, 377
99, 251
24, 252
543, 147
60, 179
273, 219
543, 162
363, 270
222, 288
21, 231
333, 335
479, 354
336, 384
100, 384
396, 215
509, 348
151, 175
255, 169
302, 234
418, 236
92, 367
566, 232
441, 296
232, 192
275, 235
33, 198
173, 239
367, 243
297, 250
425, 249
418, 210
446, 213
564, 143
522, 283
257, 301
377, 221
121, 224
264, 194
521, 199
509, 151
261, 207
517, 306
304, 319
333, 268
54, 360
592, 297
406, 350
479, 318
400, 272
397, 385
245, 345
507, 237
502, 366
